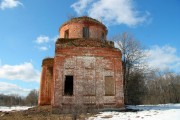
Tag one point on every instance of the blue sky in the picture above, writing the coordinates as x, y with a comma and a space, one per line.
28, 29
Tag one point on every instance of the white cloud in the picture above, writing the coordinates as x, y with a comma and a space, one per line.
8, 88
44, 42
43, 48
81, 5
111, 11
42, 39
163, 58
9, 4
25, 72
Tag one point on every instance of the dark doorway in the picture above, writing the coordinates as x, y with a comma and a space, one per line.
68, 87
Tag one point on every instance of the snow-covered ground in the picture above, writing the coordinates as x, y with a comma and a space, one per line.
147, 112
15, 108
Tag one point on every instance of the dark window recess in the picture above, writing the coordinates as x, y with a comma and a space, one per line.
85, 32
66, 34
68, 87
102, 36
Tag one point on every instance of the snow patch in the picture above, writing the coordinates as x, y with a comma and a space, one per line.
14, 108
147, 112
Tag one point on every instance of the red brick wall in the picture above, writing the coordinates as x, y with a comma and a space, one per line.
88, 64
76, 30
46, 83
89, 61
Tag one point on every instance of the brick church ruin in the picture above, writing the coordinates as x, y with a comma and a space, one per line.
86, 68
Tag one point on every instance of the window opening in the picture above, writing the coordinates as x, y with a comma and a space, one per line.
66, 34
85, 32
68, 86
102, 36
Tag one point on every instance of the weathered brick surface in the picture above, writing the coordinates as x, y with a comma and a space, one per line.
46, 82
89, 66
75, 28
89, 61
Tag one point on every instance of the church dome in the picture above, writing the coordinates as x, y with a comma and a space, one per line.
83, 27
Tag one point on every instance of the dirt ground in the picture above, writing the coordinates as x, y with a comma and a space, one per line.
38, 113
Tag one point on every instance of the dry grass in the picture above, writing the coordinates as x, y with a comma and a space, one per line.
38, 113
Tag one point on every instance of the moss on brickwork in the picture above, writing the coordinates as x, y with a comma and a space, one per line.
64, 40
48, 61
84, 42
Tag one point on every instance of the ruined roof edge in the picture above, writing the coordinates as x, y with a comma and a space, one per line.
84, 42
48, 61
76, 19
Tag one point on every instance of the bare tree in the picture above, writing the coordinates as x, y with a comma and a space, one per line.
132, 54
162, 87
32, 98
